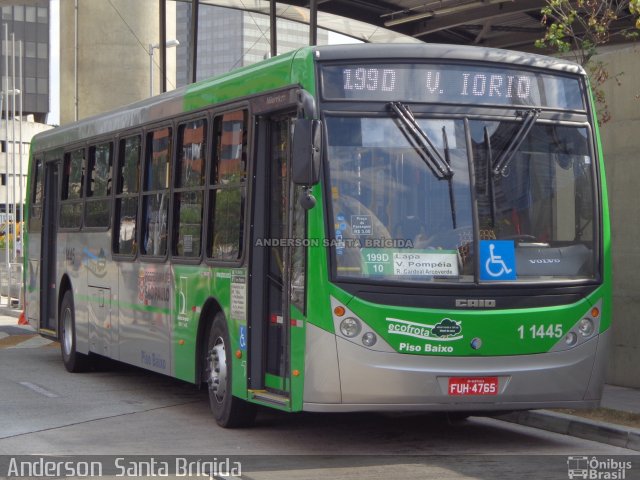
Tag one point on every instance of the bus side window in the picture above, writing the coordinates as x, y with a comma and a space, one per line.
72, 189
227, 186
127, 189
188, 197
155, 195
38, 188
98, 203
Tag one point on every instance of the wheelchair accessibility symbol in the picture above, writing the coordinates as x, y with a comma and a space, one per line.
243, 337
497, 260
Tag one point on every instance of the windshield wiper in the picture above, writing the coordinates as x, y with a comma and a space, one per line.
503, 161
447, 157
489, 185
421, 141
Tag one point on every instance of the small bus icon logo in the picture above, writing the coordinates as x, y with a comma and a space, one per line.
578, 467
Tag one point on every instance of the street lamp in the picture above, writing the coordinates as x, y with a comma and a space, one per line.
152, 47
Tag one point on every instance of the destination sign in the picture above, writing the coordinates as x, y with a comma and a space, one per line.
421, 263
451, 84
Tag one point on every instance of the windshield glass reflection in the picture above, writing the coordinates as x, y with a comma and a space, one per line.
395, 219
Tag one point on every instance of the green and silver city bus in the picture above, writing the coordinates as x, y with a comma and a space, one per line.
337, 229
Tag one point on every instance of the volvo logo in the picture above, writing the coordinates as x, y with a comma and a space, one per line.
545, 260
475, 302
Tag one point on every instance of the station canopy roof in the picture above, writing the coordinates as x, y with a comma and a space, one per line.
511, 24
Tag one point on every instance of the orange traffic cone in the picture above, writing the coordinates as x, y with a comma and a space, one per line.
22, 320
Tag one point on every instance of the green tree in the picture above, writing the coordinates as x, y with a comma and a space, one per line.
579, 27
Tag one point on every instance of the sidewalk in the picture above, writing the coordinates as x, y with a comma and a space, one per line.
621, 398
615, 398
7, 313
10, 329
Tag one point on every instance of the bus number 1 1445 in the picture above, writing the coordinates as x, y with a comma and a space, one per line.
540, 331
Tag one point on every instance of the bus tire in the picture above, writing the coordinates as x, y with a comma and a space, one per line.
73, 361
229, 411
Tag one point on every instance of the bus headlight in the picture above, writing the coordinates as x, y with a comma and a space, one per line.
586, 327
571, 339
369, 339
350, 327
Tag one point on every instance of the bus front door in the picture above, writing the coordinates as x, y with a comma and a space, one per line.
271, 262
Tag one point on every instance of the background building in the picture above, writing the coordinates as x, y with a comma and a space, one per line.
14, 161
29, 23
107, 57
228, 39
24, 93
621, 145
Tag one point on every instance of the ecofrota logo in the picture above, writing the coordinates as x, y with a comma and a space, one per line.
446, 330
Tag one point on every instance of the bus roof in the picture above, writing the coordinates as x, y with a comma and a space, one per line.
445, 52
275, 73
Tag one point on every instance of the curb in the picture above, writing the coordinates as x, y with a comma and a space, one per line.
616, 435
10, 312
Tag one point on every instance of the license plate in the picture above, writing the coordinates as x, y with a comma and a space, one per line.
473, 386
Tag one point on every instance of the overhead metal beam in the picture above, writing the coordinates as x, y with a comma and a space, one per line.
273, 32
515, 40
368, 11
313, 22
163, 45
423, 11
484, 31
460, 35
480, 14
193, 41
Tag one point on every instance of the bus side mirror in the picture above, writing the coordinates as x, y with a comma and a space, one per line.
307, 141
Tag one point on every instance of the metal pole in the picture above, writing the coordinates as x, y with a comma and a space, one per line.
6, 155
150, 70
6, 136
163, 46
273, 28
22, 202
13, 141
75, 59
313, 22
193, 45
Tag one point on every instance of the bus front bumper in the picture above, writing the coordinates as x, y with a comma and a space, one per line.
341, 376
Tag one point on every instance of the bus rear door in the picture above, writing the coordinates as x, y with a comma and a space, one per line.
48, 255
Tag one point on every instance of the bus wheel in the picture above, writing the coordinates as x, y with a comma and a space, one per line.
73, 361
229, 411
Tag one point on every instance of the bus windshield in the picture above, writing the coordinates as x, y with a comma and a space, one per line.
394, 218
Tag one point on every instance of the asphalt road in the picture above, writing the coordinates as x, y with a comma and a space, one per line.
120, 410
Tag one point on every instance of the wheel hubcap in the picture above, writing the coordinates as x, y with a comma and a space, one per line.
67, 331
218, 370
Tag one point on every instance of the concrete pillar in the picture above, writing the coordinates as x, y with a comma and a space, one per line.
104, 63
621, 144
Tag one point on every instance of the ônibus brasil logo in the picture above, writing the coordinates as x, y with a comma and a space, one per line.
595, 468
